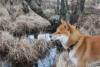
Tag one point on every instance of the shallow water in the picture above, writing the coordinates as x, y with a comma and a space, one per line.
6, 64
47, 61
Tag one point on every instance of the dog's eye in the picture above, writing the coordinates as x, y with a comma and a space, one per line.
59, 32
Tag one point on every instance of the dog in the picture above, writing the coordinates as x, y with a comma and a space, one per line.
81, 49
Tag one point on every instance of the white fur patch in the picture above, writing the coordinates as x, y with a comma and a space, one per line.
71, 56
63, 39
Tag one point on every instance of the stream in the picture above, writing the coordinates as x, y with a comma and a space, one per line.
46, 62
49, 59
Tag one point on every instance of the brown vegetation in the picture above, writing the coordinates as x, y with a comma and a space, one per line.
20, 51
18, 19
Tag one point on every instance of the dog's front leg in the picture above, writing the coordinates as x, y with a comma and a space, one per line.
81, 64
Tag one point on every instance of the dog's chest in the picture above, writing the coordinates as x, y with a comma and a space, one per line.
72, 58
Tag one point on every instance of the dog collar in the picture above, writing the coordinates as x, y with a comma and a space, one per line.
71, 46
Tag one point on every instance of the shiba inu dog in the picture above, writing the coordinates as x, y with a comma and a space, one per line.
81, 49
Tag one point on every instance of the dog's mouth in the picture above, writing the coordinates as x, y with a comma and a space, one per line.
60, 48
58, 41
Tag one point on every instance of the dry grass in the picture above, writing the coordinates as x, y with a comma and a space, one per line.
89, 25
14, 19
11, 48
21, 28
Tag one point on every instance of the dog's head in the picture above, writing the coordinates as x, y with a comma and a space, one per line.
65, 33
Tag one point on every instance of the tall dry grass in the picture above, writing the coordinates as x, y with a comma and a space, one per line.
21, 51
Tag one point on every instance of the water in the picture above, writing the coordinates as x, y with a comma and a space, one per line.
31, 39
6, 64
46, 36
47, 61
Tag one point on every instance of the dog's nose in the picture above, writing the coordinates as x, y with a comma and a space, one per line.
50, 36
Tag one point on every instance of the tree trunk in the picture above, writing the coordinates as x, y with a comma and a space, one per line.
65, 10
35, 6
38, 2
58, 6
72, 15
77, 11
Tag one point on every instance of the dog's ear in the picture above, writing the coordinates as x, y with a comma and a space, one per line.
70, 28
65, 24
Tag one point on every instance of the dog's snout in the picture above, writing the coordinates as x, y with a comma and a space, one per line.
50, 36
52, 39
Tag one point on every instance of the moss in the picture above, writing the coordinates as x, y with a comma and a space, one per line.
48, 15
87, 13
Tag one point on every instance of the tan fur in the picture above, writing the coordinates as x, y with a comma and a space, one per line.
87, 49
